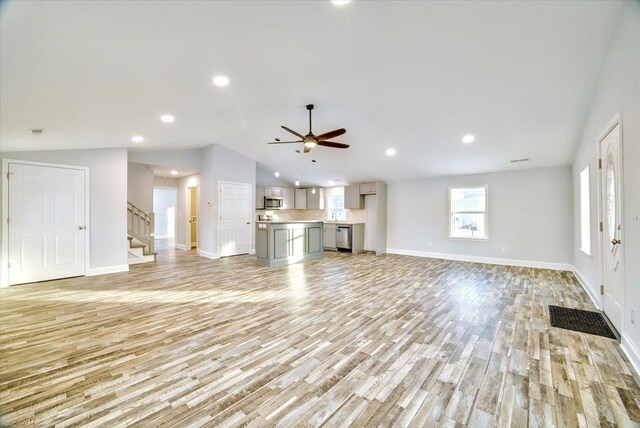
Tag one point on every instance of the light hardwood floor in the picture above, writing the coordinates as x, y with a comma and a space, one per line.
346, 340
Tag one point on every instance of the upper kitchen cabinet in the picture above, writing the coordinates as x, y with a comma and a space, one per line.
289, 196
315, 201
353, 198
259, 197
368, 189
301, 199
274, 192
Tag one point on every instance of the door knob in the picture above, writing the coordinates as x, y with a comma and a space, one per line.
81, 228
616, 241
248, 222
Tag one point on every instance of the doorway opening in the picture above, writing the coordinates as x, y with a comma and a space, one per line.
192, 216
164, 208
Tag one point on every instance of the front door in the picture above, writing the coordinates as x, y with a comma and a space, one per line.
612, 246
235, 219
46, 223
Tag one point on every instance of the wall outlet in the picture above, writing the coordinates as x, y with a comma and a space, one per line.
504, 249
633, 316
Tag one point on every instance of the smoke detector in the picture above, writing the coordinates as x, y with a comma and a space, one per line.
37, 131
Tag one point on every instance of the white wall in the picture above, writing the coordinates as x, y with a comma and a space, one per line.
108, 200
164, 208
618, 92
186, 161
140, 185
165, 182
530, 213
221, 164
265, 177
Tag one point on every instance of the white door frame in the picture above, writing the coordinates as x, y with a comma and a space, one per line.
616, 121
187, 235
4, 266
175, 203
252, 198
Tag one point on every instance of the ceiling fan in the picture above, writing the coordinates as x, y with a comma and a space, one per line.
310, 140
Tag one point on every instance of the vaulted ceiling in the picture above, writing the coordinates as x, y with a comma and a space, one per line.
415, 76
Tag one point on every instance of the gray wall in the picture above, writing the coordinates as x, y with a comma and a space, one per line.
140, 186
618, 91
530, 213
265, 177
220, 164
108, 199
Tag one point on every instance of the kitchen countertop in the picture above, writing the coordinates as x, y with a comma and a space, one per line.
342, 222
288, 221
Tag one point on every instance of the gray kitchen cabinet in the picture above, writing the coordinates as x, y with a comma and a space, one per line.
330, 236
353, 199
315, 201
368, 188
289, 197
301, 199
259, 197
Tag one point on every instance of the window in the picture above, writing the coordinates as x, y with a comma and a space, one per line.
468, 217
585, 213
336, 209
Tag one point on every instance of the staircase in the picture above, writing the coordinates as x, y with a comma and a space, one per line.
140, 235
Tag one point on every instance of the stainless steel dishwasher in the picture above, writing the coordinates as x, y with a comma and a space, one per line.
343, 237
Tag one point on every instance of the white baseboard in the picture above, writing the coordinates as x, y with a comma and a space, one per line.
252, 252
181, 247
633, 354
208, 255
478, 259
107, 269
595, 298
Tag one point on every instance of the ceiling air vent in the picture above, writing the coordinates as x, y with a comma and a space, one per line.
519, 160
37, 131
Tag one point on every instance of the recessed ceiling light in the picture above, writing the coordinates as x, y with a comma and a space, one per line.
468, 138
137, 139
167, 118
173, 172
297, 182
332, 183
221, 80
277, 174
391, 152
340, 2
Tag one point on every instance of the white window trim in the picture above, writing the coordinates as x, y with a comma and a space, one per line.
588, 168
485, 212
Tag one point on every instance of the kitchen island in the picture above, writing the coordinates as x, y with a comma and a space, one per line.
284, 242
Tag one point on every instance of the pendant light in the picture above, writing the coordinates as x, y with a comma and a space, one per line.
297, 168
313, 171
277, 173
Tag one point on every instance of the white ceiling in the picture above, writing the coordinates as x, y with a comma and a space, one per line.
415, 76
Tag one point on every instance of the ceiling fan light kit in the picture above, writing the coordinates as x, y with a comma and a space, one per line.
310, 140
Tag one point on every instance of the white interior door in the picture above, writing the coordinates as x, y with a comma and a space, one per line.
46, 223
235, 219
612, 246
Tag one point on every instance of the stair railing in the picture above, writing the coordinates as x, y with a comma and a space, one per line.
140, 224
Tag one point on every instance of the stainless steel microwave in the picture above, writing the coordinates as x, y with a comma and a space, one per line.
271, 203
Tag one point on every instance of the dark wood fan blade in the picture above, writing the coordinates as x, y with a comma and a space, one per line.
293, 132
330, 135
333, 144
284, 142
307, 149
